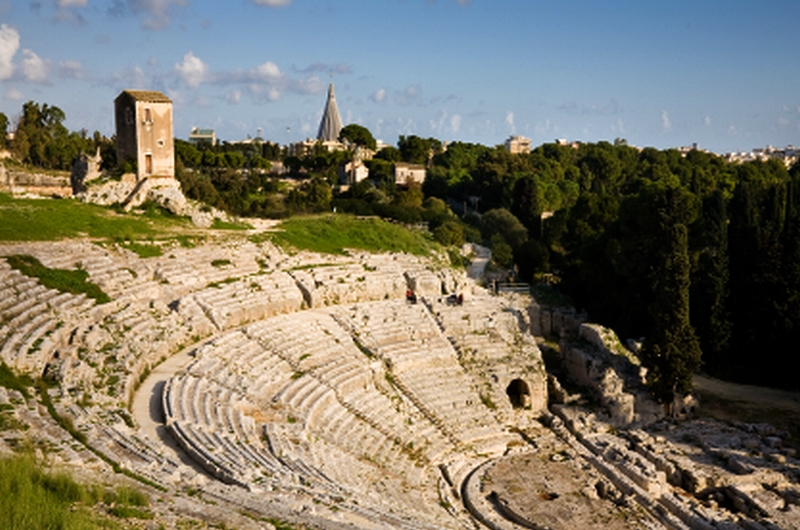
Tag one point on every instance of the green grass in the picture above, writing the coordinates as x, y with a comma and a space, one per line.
143, 250
49, 220
12, 381
31, 499
334, 234
65, 281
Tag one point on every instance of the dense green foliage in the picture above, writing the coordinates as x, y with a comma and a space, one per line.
691, 252
357, 135
42, 140
66, 281
334, 234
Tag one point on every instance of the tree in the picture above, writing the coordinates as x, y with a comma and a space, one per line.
3, 129
709, 291
525, 204
358, 135
416, 150
502, 222
389, 154
671, 351
449, 233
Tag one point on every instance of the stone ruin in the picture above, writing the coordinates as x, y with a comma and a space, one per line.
307, 388
85, 169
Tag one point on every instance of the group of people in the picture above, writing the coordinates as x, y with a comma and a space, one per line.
453, 299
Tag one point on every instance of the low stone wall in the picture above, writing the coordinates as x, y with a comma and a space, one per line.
560, 321
15, 181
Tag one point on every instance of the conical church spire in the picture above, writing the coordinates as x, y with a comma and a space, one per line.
331, 123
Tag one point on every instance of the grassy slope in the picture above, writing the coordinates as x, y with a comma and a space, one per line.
48, 220
333, 234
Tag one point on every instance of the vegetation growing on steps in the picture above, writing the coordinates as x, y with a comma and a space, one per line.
12, 381
65, 281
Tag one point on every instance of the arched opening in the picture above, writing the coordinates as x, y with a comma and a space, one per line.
519, 393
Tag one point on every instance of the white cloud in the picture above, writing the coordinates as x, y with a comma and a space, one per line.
72, 3
9, 44
192, 70
14, 94
268, 71
455, 123
72, 69
274, 94
707, 121
665, 124
34, 68
272, 3
379, 95
510, 121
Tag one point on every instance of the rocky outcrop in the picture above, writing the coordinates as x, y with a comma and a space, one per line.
597, 361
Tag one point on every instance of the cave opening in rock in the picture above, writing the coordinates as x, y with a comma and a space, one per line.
519, 393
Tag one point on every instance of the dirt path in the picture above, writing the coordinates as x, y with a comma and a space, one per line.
749, 403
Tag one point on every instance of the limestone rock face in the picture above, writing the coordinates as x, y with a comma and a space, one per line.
169, 197
601, 364
106, 194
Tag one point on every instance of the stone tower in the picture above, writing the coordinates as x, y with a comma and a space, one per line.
331, 123
144, 132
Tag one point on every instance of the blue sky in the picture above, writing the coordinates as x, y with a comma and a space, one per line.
722, 73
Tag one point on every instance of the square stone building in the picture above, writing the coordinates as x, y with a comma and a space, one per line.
144, 132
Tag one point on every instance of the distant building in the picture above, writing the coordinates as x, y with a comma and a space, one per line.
203, 136
567, 143
353, 172
331, 124
407, 174
518, 145
329, 128
144, 132
788, 155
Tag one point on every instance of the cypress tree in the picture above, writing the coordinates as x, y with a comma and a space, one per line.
671, 350
709, 290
